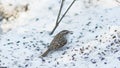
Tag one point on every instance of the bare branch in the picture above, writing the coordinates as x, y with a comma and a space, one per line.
57, 22
66, 11
60, 10
58, 17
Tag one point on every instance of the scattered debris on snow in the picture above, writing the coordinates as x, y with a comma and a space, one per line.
95, 42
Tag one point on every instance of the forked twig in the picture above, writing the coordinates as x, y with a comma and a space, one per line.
59, 20
58, 17
60, 10
66, 11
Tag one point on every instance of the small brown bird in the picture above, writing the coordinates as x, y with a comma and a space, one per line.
59, 41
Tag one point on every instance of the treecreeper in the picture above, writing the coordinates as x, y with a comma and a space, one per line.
59, 41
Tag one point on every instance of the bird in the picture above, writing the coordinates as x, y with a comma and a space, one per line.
58, 41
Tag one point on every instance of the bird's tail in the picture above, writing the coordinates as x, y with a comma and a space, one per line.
45, 53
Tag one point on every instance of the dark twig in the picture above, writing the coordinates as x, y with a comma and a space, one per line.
58, 17
59, 20
60, 10
66, 11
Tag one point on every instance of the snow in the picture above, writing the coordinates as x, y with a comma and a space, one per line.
95, 42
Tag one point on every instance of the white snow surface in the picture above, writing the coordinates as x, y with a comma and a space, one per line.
95, 42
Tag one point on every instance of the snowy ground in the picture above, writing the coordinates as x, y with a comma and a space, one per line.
95, 42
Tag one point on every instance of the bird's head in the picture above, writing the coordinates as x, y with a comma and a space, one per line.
65, 32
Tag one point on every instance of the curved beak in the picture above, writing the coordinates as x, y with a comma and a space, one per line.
71, 32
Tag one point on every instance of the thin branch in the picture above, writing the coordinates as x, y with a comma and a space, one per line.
57, 22
60, 10
66, 11
58, 17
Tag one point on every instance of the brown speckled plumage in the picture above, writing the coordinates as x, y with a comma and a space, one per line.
58, 42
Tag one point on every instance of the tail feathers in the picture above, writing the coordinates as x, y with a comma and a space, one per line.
45, 53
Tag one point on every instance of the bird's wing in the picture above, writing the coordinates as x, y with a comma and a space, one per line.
58, 42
